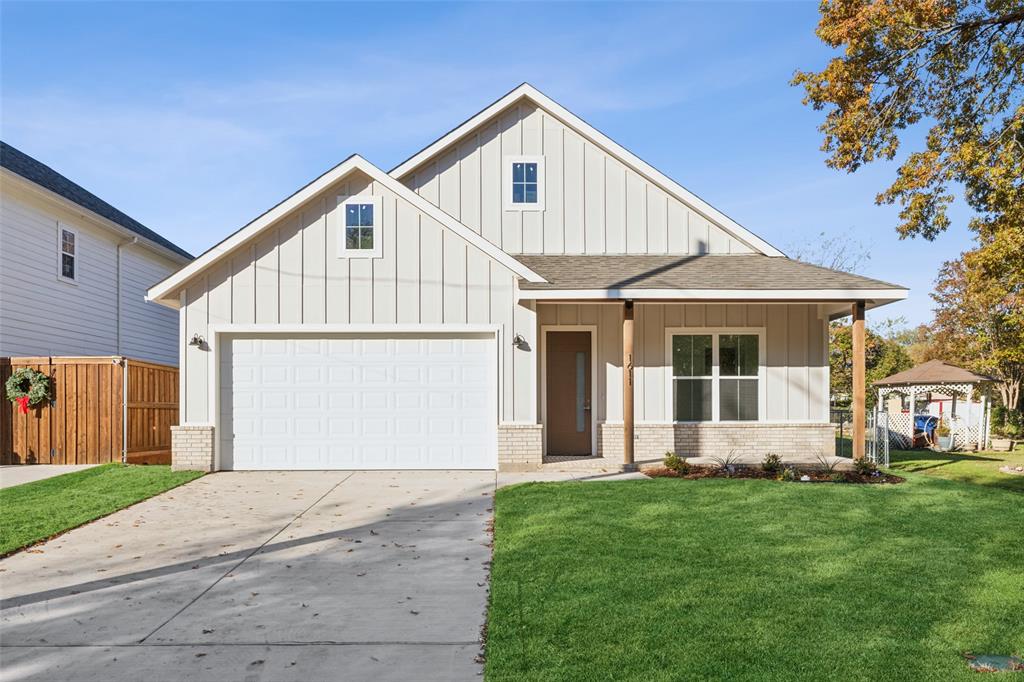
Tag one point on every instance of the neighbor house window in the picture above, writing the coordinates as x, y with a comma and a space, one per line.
360, 230
716, 376
525, 183
67, 254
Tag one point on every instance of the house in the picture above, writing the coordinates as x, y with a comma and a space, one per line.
523, 290
75, 271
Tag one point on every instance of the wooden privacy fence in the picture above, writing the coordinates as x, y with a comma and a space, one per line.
88, 420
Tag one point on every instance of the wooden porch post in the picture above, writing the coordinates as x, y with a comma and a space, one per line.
627, 384
859, 403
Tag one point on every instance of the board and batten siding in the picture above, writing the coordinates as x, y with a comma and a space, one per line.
290, 274
796, 353
41, 315
594, 204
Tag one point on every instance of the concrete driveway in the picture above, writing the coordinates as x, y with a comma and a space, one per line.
261, 576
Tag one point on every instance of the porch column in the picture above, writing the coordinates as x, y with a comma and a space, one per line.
859, 402
627, 383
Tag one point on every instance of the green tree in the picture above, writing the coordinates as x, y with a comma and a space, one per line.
884, 355
979, 322
955, 66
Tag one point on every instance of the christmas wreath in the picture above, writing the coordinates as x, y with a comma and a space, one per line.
27, 387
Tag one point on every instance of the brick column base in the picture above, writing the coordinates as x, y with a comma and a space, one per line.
192, 448
520, 447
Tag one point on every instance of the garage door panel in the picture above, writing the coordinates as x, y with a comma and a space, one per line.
348, 403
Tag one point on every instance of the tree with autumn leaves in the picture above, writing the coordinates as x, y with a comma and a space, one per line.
956, 69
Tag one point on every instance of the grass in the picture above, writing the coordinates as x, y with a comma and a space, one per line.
979, 468
749, 579
39, 510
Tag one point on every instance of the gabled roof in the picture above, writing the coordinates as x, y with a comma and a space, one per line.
934, 372
23, 165
164, 292
527, 91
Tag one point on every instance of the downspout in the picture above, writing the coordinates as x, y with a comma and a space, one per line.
129, 242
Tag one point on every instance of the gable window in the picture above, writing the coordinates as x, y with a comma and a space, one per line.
716, 376
525, 183
67, 254
360, 230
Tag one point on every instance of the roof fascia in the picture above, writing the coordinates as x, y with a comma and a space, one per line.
165, 291
27, 185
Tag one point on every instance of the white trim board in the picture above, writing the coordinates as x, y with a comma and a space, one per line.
605, 143
717, 294
164, 291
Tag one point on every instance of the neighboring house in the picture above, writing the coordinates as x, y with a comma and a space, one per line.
483, 305
75, 270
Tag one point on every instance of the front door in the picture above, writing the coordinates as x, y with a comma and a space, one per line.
568, 393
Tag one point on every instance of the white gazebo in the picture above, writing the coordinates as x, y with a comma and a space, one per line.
936, 376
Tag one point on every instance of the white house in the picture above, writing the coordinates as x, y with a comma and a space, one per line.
75, 270
521, 291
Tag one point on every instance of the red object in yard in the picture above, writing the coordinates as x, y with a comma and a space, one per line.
22, 404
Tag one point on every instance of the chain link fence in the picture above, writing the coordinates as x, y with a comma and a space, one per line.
876, 435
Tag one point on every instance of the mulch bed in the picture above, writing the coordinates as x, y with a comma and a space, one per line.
756, 472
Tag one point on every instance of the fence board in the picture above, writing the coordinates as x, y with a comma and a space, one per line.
85, 421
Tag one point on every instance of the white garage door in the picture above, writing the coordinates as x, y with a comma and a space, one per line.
358, 403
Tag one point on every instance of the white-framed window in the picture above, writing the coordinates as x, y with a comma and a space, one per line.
524, 183
360, 234
715, 375
67, 253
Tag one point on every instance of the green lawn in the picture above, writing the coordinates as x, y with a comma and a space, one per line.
39, 510
980, 468
749, 579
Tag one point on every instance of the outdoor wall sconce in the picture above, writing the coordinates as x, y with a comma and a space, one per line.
520, 342
197, 341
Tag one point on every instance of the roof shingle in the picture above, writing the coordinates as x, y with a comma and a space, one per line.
732, 271
22, 164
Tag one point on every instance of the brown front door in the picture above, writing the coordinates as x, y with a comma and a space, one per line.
568, 393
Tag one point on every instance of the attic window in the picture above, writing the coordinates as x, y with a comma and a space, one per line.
360, 234
67, 254
525, 185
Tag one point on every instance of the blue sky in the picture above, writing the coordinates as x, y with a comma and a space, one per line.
196, 117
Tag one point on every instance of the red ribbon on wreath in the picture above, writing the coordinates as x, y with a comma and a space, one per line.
22, 404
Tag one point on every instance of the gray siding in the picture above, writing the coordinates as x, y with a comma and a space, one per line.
289, 274
43, 315
593, 203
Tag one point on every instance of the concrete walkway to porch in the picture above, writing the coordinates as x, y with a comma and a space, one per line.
16, 474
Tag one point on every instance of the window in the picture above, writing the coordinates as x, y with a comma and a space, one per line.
525, 183
67, 254
737, 369
715, 376
360, 236
691, 377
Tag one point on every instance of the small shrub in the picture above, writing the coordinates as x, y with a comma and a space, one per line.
865, 467
674, 462
788, 474
727, 463
772, 463
837, 477
828, 464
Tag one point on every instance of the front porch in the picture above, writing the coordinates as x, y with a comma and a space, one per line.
610, 385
